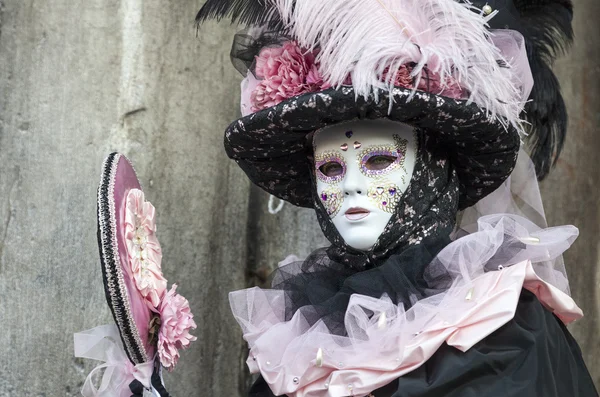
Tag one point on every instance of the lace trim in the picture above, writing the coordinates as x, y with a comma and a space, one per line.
112, 274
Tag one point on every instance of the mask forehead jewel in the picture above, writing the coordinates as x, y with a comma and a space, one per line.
349, 134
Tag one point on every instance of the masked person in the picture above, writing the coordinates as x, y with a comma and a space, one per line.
388, 117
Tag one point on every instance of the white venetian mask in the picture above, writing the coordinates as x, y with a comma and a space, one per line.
362, 169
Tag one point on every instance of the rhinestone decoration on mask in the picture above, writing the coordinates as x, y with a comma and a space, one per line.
426, 209
385, 194
332, 199
382, 192
398, 150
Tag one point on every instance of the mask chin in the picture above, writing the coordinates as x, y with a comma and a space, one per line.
360, 238
361, 170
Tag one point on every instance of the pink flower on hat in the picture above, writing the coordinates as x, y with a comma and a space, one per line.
402, 77
432, 83
288, 71
143, 249
285, 71
315, 81
270, 92
268, 62
176, 323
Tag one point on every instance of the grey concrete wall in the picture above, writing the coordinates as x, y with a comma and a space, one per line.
572, 191
79, 79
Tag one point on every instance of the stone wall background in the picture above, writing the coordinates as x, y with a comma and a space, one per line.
79, 79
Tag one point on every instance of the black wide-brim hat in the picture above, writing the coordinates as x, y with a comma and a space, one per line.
271, 145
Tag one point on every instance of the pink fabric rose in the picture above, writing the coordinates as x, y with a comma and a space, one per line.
270, 92
176, 323
315, 81
268, 62
431, 82
288, 71
143, 249
402, 77
285, 71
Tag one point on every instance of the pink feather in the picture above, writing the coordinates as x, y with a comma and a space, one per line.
363, 38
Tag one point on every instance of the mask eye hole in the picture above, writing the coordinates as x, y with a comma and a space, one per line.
379, 162
332, 169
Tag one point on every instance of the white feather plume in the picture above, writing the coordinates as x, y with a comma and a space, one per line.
363, 38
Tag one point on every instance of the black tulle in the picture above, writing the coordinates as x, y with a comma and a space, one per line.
533, 355
321, 288
158, 385
137, 388
246, 47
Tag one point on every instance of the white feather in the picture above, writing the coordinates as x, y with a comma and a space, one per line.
362, 38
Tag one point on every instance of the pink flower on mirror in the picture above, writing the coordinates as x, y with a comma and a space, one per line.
176, 323
144, 251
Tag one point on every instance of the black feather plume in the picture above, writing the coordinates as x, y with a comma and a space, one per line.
546, 25
247, 12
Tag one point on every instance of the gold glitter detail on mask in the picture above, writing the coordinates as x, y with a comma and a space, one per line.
326, 157
398, 150
385, 195
332, 199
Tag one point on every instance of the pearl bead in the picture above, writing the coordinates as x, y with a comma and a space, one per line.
487, 9
296, 380
469, 294
382, 322
319, 360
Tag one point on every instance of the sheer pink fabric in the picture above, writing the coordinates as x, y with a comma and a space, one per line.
512, 47
497, 256
301, 361
116, 371
520, 195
